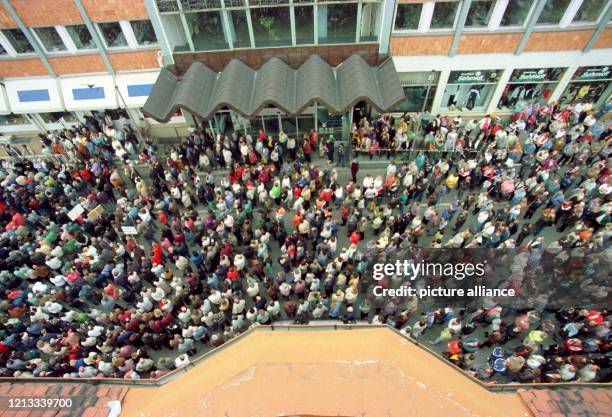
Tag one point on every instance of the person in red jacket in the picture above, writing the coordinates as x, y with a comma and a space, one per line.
355, 238
307, 148
156, 254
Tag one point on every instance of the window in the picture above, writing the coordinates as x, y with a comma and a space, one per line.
304, 25
271, 26
206, 31
13, 119
112, 34
444, 15
553, 12
408, 16
369, 26
418, 98
50, 39
337, 23
589, 11
516, 12
175, 32
3, 51
143, 31
18, 40
80, 36
529, 86
239, 29
469, 90
419, 90
479, 14
58, 117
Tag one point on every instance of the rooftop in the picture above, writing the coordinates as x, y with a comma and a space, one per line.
316, 371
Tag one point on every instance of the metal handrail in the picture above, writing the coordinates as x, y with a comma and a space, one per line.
171, 375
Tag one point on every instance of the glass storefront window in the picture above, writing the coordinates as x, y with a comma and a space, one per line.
206, 30
289, 124
337, 23
479, 14
369, 23
589, 11
271, 26
271, 126
58, 117
175, 32
529, 86
239, 29
417, 98
587, 86
304, 25
81, 37
112, 34
13, 119
419, 90
444, 15
50, 39
469, 90
143, 31
408, 16
516, 13
553, 12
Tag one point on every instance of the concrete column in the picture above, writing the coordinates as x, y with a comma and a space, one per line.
442, 82
603, 22
533, 18
386, 26
95, 36
463, 12
322, 20
501, 85
160, 32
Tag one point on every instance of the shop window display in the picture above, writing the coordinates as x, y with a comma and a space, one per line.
469, 90
587, 86
529, 86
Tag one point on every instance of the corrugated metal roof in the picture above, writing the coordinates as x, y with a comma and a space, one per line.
246, 91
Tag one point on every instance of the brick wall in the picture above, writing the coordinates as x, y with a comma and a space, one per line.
30, 67
77, 64
489, 43
558, 41
113, 10
133, 60
420, 45
47, 12
6, 21
605, 39
294, 57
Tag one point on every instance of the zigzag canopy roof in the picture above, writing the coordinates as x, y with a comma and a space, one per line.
247, 91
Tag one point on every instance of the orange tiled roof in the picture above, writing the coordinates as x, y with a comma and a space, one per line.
584, 402
87, 400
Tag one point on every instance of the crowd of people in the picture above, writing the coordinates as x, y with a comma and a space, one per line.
125, 260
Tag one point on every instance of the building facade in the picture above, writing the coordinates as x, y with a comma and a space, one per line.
62, 58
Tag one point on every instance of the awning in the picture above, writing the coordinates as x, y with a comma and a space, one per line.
34, 95
203, 92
